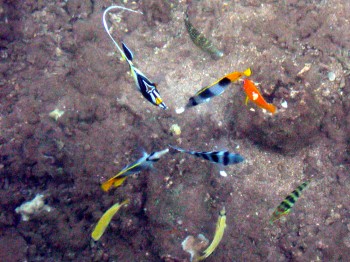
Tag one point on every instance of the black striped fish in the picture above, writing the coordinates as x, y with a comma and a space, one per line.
144, 85
220, 157
217, 88
201, 41
286, 205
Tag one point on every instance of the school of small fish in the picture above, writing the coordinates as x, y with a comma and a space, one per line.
149, 91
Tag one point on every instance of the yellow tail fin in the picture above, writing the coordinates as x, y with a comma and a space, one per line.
107, 185
114, 181
246, 100
247, 72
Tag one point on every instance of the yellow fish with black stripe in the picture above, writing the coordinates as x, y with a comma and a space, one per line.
143, 163
217, 88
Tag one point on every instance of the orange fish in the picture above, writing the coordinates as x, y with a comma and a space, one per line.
255, 96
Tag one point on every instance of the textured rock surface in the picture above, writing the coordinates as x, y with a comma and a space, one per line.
56, 55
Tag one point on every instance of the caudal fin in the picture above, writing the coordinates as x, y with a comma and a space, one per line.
247, 72
108, 184
114, 181
271, 108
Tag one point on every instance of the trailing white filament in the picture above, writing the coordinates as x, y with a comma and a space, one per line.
106, 26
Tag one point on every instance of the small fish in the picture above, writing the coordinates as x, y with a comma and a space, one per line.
286, 205
217, 88
144, 85
106, 218
219, 233
221, 157
145, 162
201, 41
254, 95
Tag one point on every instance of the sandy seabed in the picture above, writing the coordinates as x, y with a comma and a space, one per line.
56, 55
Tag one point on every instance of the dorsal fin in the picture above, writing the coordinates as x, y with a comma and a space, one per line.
129, 55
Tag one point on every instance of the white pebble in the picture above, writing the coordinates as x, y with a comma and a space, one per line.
180, 110
331, 76
223, 173
284, 104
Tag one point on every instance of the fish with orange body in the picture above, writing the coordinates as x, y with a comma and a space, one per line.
255, 96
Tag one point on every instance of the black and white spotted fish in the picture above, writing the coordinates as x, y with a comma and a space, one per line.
220, 157
201, 41
217, 88
144, 85
286, 205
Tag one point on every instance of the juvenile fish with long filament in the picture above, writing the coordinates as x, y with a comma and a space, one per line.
147, 88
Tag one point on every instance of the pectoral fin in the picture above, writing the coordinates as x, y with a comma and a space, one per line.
119, 181
246, 100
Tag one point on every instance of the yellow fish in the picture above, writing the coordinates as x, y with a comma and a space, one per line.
219, 233
106, 218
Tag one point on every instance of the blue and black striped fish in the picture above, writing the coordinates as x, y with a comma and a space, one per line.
220, 157
144, 85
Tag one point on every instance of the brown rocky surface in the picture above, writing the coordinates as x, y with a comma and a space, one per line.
56, 55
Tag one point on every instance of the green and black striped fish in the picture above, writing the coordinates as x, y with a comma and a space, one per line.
286, 205
201, 41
